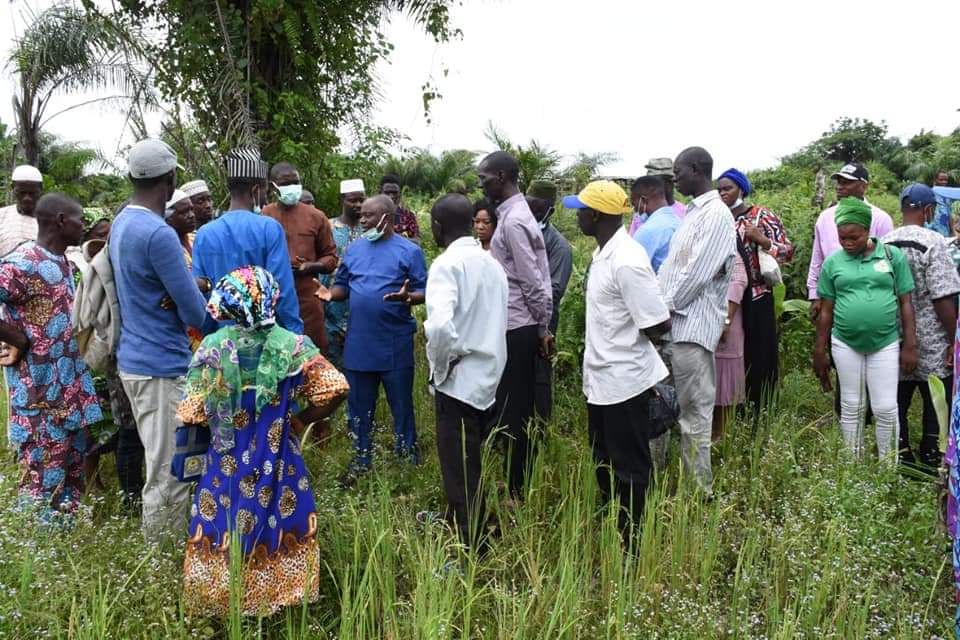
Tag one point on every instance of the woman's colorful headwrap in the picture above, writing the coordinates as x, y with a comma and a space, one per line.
247, 296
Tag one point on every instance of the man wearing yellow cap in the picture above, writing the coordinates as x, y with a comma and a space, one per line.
620, 365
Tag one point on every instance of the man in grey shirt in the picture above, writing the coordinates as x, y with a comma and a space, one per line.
542, 197
518, 246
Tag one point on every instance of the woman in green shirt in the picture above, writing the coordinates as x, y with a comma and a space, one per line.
862, 288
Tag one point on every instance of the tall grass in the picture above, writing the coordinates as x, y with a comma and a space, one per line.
800, 542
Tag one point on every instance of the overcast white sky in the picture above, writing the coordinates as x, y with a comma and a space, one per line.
750, 80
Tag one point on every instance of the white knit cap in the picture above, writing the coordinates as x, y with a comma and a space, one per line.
178, 195
195, 188
351, 186
26, 173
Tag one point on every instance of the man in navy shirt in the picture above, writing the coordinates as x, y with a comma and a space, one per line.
154, 353
382, 275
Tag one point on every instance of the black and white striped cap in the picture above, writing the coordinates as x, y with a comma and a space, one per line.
245, 162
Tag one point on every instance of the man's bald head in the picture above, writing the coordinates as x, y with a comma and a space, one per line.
499, 174
377, 213
694, 171
60, 219
451, 218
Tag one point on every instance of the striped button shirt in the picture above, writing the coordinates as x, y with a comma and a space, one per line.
696, 273
15, 229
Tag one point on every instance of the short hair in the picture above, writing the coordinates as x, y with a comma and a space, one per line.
51, 204
501, 161
485, 205
649, 184
282, 167
454, 212
389, 179
700, 158
383, 201
238, 186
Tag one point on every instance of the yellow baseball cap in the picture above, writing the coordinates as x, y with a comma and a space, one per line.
603, 196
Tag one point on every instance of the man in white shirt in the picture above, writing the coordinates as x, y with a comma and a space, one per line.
694, 280
466, 330
620, 365
17, 222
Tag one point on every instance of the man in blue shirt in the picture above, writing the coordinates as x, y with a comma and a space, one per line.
153, 353
661, 221
382, 274
242, 237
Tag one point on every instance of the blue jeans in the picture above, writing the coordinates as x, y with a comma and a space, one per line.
362, 405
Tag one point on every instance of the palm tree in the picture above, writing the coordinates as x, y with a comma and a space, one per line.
66, 50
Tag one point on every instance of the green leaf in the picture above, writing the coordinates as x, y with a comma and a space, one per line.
939, 396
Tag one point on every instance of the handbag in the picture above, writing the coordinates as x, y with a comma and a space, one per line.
190, 452
663, 408
769, 267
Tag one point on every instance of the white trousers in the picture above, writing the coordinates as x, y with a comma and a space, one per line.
878, 373
694, 375
165, 499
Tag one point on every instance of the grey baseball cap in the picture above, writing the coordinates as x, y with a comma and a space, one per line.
151, 158
660, 167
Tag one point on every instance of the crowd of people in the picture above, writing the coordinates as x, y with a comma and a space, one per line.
252, 325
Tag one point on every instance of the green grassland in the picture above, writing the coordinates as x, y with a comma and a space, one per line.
801, 542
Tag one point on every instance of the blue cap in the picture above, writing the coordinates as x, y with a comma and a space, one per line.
917, 196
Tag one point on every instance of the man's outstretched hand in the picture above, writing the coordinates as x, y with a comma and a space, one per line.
400, 296
322, 292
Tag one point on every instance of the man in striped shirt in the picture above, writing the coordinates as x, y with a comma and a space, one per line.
694, 281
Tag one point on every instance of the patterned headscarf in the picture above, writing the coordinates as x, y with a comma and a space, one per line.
247, 296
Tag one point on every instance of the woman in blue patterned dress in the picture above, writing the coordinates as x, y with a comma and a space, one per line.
247, 381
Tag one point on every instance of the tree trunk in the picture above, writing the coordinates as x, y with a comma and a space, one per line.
820, 193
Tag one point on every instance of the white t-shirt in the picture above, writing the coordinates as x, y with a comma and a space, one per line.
15, 229
623, 298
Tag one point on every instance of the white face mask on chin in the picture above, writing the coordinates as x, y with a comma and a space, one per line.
737, 203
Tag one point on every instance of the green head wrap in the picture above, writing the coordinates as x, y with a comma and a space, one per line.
543, 189
852, 210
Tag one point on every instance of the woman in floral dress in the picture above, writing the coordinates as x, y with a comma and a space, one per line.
246, 383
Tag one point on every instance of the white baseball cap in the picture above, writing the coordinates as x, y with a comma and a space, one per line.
352, 186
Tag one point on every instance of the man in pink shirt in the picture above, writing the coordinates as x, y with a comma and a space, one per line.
662, 167
852, 180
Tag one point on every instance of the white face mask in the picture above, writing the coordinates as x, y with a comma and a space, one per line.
736, 204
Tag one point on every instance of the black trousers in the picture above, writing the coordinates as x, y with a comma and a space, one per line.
929, 447
761, 351
460, 435
620, 439
515, 403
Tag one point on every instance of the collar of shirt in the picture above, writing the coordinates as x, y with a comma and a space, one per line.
463, 242
509, 203
666, 210
607, 251
703, 199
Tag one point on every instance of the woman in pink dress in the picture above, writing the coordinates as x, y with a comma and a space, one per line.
731, 378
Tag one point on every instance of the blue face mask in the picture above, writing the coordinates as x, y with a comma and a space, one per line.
290, 194
375, 233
